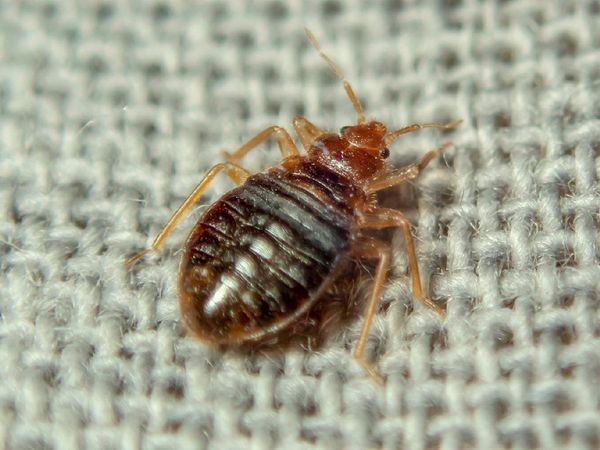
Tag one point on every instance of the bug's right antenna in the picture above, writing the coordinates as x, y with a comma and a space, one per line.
353, 98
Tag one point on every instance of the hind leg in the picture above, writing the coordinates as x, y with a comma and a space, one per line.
368, 247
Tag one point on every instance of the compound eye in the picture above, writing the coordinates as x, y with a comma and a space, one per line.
385, 153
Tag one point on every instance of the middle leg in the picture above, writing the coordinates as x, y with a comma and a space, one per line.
386, 218
238, 174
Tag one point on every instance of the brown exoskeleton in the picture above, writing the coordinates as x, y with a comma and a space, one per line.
267, 251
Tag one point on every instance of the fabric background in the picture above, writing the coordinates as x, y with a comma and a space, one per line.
110, 113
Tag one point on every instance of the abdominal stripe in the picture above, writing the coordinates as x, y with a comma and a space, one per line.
297, 249
316, 232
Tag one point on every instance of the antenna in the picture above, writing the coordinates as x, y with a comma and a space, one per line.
334, 67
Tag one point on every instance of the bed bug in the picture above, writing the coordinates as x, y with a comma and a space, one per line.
263, 255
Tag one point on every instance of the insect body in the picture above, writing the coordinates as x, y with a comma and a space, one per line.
267, 251
264, 253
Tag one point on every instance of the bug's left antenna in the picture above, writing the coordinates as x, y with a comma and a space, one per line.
334, 67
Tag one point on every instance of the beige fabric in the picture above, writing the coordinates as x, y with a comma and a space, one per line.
111, 111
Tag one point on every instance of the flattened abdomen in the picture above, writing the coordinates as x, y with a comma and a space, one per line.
258, 257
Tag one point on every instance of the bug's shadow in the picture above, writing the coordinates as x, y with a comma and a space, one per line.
340, 307
344, 303
402, 197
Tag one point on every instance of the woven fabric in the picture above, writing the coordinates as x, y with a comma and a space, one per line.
110, 113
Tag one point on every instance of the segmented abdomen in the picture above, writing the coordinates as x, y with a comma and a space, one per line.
261, 254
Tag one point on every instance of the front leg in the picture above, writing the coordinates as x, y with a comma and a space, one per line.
237, 173
306, 131
406, 173
284, 141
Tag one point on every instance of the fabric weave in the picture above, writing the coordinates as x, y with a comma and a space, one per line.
110, 113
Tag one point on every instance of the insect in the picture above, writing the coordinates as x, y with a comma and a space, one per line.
267, 251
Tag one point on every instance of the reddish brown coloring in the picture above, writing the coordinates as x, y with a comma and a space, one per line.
266, 252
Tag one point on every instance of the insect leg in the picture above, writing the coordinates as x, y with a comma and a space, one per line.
368, 247
235, 172
405, 173
306, 131
284, 140
392, 136
385, 218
